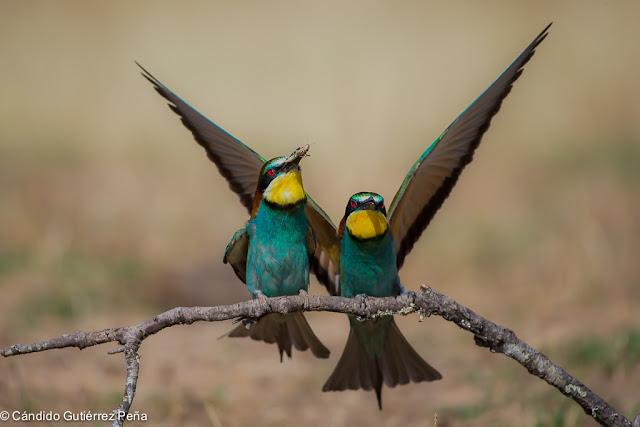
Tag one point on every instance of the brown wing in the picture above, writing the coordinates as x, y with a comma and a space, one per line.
236, 253
239, 164
326, 259
432, 177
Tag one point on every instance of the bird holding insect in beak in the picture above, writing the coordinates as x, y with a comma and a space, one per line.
271, 254
287, 234
373, 246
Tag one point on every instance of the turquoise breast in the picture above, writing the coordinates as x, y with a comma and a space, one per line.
368, 267
277, 260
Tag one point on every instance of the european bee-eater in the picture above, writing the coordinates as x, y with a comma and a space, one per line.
273, 194
271, 254
373, 248
376, 351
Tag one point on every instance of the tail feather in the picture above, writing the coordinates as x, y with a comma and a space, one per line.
400, 363
397, 363
394, 368
355, 370
286, 330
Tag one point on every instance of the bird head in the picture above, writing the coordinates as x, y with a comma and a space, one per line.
365, 216
280, 181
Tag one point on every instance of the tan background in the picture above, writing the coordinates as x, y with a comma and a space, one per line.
110, 212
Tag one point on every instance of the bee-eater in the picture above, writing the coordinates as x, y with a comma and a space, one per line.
271, 254
373, 246
376, 351
273, 194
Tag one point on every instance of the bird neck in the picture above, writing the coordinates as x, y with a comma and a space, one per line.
376, 250
277, 220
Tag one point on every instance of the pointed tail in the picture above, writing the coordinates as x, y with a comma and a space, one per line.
285, 330
377, 352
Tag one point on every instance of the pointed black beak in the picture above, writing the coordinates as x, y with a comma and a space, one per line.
369, 204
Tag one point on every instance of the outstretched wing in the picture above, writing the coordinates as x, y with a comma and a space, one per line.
239, 164
432, 177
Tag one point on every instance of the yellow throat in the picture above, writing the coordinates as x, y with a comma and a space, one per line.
366, 224
285, 189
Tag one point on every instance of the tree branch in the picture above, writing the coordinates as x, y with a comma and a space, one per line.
426, 302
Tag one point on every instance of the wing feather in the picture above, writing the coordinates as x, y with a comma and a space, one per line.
240, 165
434, 174
236, 253
326, 259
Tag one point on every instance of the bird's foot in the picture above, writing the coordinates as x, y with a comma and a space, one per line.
259, 311
305, 297
259, 295
361, 299
262, 300
411, 294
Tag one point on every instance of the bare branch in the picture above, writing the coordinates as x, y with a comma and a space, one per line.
133, 367
502, 340
79, 339
426, 302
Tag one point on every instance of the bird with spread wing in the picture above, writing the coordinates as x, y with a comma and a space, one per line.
423, 191
374, 245
274, 252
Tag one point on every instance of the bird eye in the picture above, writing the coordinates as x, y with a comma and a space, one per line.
381, 206
271, 172
353, 203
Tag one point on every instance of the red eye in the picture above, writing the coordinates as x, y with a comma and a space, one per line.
353, 203
382, 206
271, 172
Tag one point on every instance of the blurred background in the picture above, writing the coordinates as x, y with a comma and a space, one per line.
111, 213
